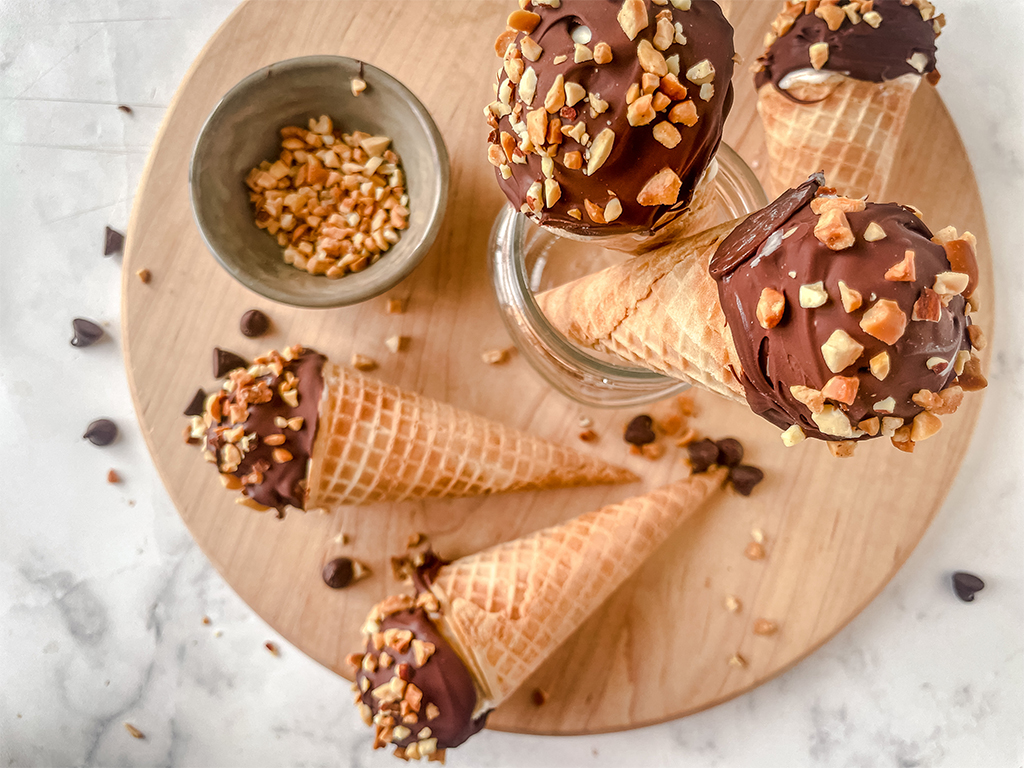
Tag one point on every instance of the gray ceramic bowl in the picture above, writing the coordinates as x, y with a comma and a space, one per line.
243, 130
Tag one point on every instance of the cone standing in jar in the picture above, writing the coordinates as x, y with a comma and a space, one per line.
832, 318
608, 114
294, 429
436, 664
834, 88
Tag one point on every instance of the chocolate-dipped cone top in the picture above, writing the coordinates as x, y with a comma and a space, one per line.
870, 40
609, 112
850, 319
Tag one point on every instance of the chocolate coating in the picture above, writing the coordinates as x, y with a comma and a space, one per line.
443, 679
857, 50
283, 483
790, 353
636, 155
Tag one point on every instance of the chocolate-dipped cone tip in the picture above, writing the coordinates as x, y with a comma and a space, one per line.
891, 39
411, 685
861, 325
609, 112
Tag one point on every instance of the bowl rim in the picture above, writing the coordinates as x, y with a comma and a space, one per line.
435, 216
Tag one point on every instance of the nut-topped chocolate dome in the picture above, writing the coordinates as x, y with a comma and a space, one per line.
609, 112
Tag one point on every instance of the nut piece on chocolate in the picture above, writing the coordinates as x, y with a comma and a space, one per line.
615, 106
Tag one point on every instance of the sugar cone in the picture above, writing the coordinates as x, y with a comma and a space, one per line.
376, 442
697, 217
850, 131
660, 311
508, 608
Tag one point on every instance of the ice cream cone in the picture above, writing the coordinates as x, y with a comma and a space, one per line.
376, 442
848, 128
508, 608
662, 313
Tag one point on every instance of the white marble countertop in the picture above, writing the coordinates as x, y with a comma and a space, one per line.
102, 589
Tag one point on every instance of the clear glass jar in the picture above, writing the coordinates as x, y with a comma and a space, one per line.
525, 259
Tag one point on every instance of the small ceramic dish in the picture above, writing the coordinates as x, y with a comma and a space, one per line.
243, 130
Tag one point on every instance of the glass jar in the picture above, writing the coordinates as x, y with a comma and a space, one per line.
525, 259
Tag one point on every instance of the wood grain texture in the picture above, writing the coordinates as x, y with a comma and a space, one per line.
836, 531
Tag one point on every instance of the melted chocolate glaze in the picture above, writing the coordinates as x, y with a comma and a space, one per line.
857, 50
283, 484
790, 354
444, 681
636, 155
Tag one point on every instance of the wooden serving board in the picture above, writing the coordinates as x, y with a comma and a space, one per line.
836, 530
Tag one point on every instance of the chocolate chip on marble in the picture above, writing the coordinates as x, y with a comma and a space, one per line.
113, 242
101, 432
339, 573
730, 452
966, 585
254, 323
224, 362
195, 408
702, 454
640, 431
86, 332
744, 477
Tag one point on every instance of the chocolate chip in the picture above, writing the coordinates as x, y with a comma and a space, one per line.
126, 109
702, 454
966, 585
640, 430
86, 332
730, 452
254, 323
101, 432
744, 477
338, 573
224, 362
113, 242
195, 408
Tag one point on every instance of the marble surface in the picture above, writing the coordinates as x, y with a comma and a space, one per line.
102, 591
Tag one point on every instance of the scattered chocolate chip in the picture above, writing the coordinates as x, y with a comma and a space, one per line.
744, 478
702, 454
730, 452
145, 276
195, 408
966, 585
86, 332
640, 431
539, 697
101, 432
339, 573
113, 242
254, 323
126, 109
224, 362
113, 477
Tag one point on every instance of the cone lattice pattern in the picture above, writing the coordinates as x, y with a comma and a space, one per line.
852, 133
512, 605
376, 442
660, 311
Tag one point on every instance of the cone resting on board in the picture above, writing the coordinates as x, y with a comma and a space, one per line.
834, 88
295, 430
435, 664
608, 115
830, 317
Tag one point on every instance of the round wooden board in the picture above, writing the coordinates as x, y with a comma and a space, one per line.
836, 530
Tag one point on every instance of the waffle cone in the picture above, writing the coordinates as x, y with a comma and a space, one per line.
509, 607
660, 311
850, 131
376, 442
698, 216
